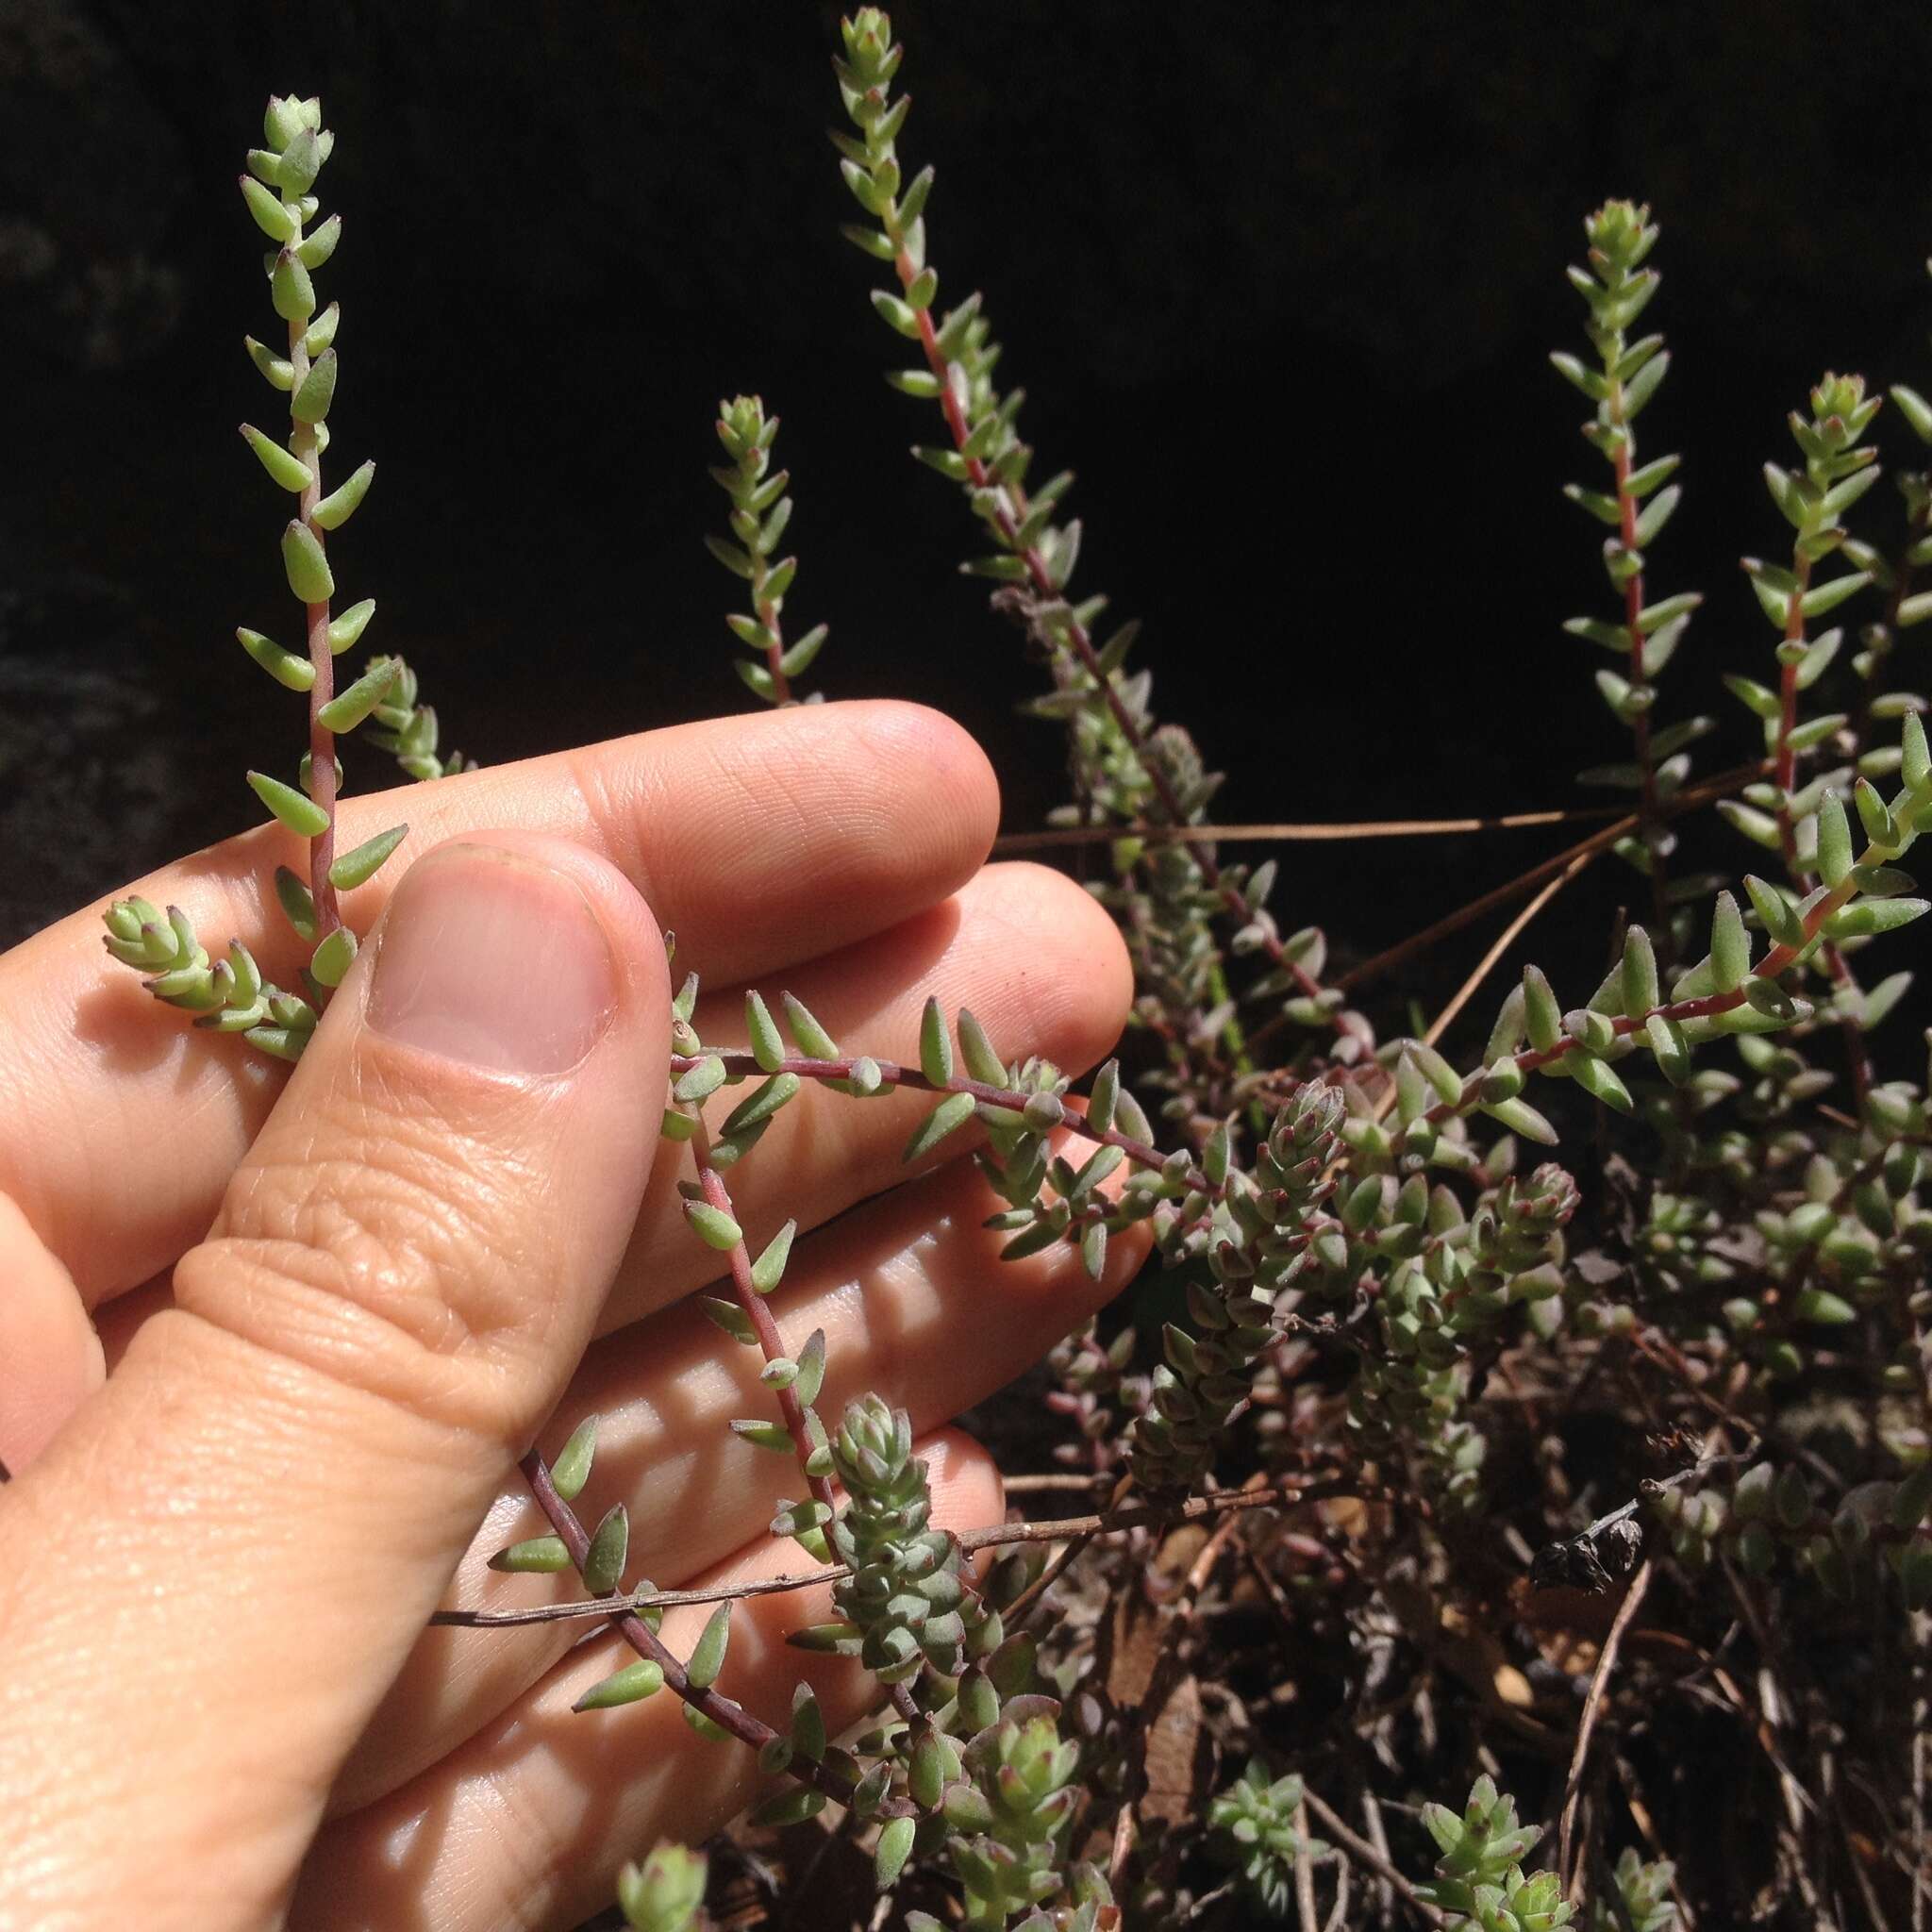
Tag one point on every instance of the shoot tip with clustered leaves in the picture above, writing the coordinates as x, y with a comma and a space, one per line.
231, 996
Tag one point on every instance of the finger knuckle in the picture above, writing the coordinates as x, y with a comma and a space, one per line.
380, 1250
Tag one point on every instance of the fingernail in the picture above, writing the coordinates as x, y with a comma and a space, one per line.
492, 959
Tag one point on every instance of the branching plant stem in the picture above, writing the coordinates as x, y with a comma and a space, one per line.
1593, 1704
756, 1311
1778, 960
996, 1536
729, 1715
891, 1073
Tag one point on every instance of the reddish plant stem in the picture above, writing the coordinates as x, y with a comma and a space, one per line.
1787, 760
321, 743
1082, 641
1640, 725
743, 1061
723, 1711
1857, 1060
1779, 960
1857, 1057
755, 1308
767, 616
771, 1345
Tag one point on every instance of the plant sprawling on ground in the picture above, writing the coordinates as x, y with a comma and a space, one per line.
1437, 1467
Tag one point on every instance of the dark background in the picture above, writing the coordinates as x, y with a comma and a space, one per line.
1280, 282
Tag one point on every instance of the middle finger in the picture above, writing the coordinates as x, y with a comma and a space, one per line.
1039, 962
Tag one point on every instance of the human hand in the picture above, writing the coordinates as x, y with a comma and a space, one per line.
245, 1496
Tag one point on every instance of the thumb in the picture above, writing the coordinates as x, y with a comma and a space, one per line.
266, 1500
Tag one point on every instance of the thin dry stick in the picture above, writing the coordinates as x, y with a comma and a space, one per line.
1599, 1681
1866, 1891
1919, 1716
1304, 1870
1691, 797
1378, 1837
1338, 1913
1507, 939
1469, 988
724, 1711
1291, 832
1024, 1602
994, 1537
1363, 1852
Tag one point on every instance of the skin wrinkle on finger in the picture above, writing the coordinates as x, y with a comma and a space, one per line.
826, 1151
535, 1813
364, 1262
915, 1304
420, 1174
91, 1060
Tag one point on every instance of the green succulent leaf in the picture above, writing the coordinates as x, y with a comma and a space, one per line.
285, 667
951, 1113
715, 1227
348, 709
605, 1560
340, 505
541, 1556
307, 567
286, 468
708, 1653
935, 1044
572, 1469
360, 864
636, 1681
295, 809
316, 391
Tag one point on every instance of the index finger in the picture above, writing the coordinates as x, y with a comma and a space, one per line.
760, 840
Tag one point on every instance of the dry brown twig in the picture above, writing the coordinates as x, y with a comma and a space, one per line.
1592, 1706
1078, 1529
1364, 1854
